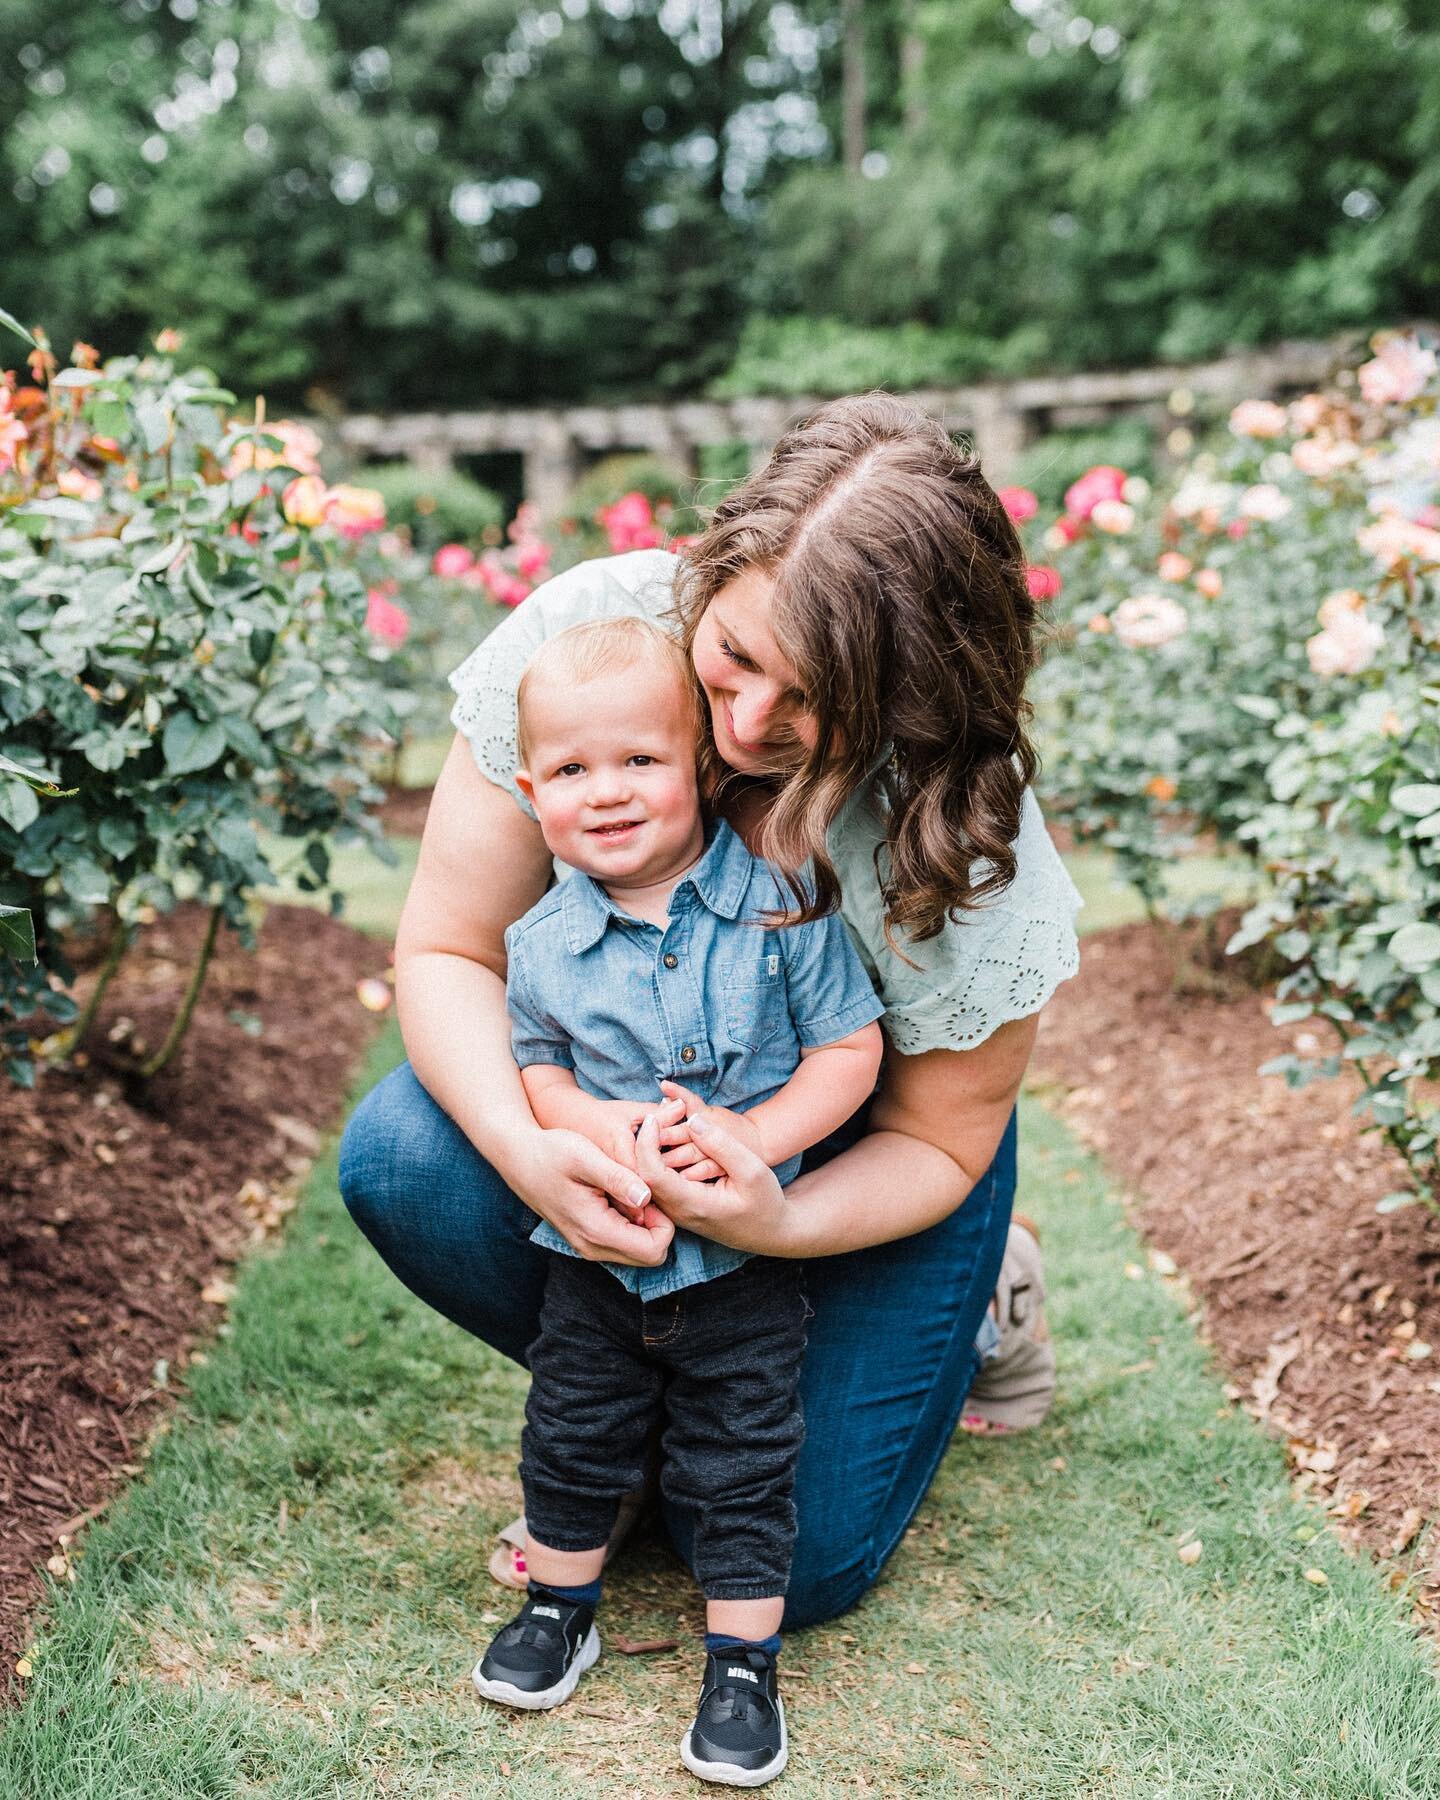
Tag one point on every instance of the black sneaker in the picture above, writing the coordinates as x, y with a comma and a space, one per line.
739, 1732
535, 1661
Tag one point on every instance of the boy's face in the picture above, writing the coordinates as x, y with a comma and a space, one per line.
611, 773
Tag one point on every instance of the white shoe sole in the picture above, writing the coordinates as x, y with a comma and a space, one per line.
731, 1774
505, 1694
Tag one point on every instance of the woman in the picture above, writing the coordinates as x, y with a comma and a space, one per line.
859, 624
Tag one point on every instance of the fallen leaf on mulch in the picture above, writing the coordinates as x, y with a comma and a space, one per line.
1409, 1530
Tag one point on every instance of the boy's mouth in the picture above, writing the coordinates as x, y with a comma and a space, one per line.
617, 828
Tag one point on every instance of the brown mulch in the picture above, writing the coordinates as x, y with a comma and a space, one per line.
120, 1208
1265, 1197
403, 810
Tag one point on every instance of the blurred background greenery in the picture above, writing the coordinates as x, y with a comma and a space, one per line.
395, 204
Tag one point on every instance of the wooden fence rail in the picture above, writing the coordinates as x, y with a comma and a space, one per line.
1000, 417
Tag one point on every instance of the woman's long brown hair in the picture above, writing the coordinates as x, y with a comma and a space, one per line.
900, 601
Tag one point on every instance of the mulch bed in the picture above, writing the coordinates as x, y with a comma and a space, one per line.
403, 810
1324, 1310
121, 1208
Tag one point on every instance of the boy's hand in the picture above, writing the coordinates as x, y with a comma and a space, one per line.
677, 1148
611, 1124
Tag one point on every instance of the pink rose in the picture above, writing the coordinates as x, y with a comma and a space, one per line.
533, 558
1043, 582
630, 524
1103, 482
452, 561
1322, 456
1264, 501
1211, 583
1392, 538
512, 591
384, 620
1019, 502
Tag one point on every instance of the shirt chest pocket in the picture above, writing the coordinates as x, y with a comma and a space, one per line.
755, 1001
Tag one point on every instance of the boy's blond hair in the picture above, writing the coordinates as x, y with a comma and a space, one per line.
604, 647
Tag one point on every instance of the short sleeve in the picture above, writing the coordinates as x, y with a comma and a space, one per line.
535, 1037
638, 582
829, 993
1001, 961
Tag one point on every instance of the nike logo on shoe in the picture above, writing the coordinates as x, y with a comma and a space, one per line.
743, 1675
544, 1612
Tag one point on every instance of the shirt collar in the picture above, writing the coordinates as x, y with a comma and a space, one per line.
719, 879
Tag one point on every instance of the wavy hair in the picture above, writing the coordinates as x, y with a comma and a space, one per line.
900, 601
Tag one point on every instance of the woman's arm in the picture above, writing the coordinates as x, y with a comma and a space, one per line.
936, 1125
482, 864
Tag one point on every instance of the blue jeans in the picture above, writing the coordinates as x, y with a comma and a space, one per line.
892, 1345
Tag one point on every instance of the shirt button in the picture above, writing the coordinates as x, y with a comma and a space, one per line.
687, 1055
670, 960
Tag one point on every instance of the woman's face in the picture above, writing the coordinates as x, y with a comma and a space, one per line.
760, 722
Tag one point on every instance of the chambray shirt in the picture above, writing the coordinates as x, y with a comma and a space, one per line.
717, 1001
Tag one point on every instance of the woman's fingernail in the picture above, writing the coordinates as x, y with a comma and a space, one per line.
638, 1195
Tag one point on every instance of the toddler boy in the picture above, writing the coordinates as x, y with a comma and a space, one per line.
652, 964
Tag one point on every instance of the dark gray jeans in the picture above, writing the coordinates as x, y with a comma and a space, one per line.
720, 1363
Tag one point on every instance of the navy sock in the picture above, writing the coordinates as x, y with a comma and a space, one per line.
718, 1642
588, 1595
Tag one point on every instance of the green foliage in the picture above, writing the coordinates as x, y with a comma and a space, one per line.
608, 480
1189, 693
1165, 182
804, 355
191, 668
436, 507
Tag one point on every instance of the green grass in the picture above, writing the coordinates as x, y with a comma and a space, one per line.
288, 1602
1111, 901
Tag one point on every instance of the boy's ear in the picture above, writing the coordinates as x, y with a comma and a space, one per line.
525, 784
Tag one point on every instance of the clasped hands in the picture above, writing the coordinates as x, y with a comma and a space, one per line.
676, 1162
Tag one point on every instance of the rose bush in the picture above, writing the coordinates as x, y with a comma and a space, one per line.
183, 655
1253, 656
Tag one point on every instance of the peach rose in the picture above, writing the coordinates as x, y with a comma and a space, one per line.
1322, 456
75, 484
303, 502
1161, 788
1392, 538
1398, 374
354, 511
1146, 621
1258, 419
1347, 646
1265, 502
1211, 583
1334, 606
1172, 566
1113, 517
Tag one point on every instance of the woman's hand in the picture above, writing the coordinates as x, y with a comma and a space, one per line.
744, 1207
581, 1191
678, 1148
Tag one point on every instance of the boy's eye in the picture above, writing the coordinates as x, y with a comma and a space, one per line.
642, 760
570, 768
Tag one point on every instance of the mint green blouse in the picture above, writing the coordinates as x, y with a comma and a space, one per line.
1003, 959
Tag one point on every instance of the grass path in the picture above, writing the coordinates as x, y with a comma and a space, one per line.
288, 1603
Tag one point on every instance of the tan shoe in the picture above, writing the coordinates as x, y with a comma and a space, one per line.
1016, 1388
507, 1559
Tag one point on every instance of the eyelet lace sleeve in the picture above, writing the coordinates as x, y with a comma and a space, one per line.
1002, 961
485, 683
